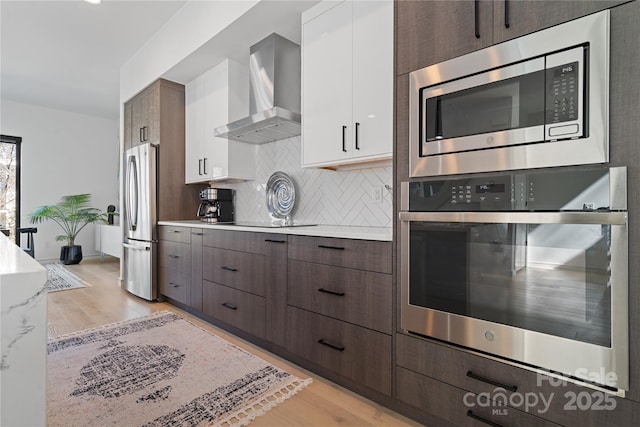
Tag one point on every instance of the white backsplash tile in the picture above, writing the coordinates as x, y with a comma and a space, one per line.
322, 196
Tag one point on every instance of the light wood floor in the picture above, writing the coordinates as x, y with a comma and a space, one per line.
323, 403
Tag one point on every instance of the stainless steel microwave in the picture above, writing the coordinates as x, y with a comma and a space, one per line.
540, 100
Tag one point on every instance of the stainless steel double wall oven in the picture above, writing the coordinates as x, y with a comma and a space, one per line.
526, 264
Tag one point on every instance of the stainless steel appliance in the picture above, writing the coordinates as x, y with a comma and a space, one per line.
530, 266
216, 205
536, 101
274, 94
139, 221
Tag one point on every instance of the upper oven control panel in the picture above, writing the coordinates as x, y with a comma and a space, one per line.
574, 190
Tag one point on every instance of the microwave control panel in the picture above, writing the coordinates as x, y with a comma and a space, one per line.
562, 93
535, 191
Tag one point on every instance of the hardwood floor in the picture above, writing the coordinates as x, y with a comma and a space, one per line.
323, 403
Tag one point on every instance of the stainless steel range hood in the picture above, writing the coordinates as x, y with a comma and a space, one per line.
274, 94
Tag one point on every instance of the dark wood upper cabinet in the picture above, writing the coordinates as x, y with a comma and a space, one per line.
157, 115
429, 32
513, 18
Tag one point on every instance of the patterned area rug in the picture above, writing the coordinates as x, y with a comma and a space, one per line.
159, 370
61, 279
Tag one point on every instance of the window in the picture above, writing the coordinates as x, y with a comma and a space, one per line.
10, 184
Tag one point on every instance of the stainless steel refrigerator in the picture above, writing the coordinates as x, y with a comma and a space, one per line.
140, 214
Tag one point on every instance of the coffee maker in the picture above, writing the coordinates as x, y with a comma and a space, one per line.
216, 205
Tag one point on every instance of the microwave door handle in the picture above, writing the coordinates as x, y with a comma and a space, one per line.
132, 193
607, 218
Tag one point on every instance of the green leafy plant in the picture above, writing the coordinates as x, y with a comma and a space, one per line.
72, 214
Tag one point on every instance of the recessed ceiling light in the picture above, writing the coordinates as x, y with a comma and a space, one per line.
94, 1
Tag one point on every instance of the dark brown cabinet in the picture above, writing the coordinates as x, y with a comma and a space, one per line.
157, 115
244, 281
174, 263
339, 298
428, 32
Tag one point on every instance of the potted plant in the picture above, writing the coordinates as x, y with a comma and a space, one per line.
72, 214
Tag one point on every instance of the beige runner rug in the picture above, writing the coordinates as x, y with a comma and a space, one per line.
159, 370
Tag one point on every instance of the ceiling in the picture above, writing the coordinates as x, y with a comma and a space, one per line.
67, 54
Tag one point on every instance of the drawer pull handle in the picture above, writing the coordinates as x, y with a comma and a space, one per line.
482, 419
229, 305
330, 345
476, 377
174, 256
224, 267
337, 248
197, 234
327, 291
175, 231
275, 241
175, 285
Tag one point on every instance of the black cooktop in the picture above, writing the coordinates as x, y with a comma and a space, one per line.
265, 224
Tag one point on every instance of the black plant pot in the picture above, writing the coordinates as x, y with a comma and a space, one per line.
71, 254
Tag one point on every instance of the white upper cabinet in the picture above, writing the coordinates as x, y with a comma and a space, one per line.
347, 83
213, 99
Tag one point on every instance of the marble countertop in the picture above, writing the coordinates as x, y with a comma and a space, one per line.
338, 231
14, 260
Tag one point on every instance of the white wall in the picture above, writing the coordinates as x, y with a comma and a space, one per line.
62, 153
192, 26
343, 197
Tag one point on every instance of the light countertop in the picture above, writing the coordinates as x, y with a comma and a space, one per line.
337, 231
23, 327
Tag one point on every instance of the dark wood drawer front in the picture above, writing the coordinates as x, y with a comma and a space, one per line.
459, 407
243, 241
355, 296
174, 234
453, 366
174, 284
175, 256
357, 353
239, 270
236, 308
360, 254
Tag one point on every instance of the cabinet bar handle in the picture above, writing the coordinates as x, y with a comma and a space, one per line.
344, 139
229, 305
330, 345
198, 234
224, 267
275, 241
337, 248
507, 24
326, 291
476, 377
175, 231
141, 136
482, 419
204, 162
199, 166
476, 17
175, 285
174, 256
357, 136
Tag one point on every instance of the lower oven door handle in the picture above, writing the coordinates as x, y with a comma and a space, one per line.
612, 218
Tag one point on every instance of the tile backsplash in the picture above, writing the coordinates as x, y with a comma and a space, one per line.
354, 197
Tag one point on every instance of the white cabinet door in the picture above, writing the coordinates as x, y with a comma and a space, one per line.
373, 79
347, 83
194, 131
326, 88
215, 98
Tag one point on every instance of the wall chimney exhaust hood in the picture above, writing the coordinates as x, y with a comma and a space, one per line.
274, 94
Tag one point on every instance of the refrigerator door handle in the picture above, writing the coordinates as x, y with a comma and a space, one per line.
137, 247
132, 193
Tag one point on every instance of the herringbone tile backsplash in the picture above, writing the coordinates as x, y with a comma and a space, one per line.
322, 196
